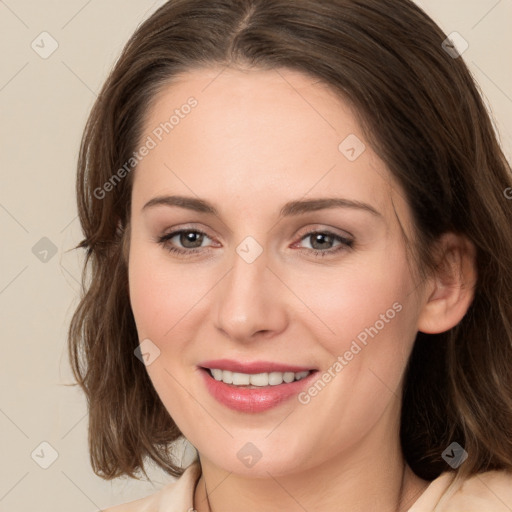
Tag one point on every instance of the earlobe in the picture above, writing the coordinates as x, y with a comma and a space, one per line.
451, 290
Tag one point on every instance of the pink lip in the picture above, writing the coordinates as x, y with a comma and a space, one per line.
252, 367
254, 399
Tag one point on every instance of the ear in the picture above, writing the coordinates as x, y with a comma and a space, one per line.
450, 291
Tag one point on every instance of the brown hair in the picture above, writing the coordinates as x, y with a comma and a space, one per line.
424, 117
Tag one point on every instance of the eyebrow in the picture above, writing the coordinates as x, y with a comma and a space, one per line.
289, 209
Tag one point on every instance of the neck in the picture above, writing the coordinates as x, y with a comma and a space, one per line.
370, 476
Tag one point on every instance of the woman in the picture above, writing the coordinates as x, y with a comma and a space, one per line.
296, 219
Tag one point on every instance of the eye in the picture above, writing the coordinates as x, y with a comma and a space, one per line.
191, 242
321, 243
190, 239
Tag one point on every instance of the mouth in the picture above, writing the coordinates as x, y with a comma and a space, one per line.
254, 387
256, 380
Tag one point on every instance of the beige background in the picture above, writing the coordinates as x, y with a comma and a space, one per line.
44, 105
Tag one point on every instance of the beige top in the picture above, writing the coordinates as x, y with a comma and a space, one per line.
485, 492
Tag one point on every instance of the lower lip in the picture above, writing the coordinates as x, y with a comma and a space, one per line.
257, 399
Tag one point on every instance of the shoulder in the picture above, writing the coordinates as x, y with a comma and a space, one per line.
175, 496
490, 491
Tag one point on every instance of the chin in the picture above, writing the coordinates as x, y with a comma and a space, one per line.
258, 459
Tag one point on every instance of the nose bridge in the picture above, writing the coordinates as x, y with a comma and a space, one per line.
248, 299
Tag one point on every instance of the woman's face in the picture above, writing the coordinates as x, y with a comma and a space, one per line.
292, 260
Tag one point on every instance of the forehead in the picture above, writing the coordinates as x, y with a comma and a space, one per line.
269, 135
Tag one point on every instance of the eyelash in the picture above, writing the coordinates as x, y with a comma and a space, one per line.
346, 243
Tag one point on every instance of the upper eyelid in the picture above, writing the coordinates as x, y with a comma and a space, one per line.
315, 227
331, 231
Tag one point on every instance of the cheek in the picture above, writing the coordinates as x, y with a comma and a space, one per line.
370, 313
161, 294
363, 301
160, 300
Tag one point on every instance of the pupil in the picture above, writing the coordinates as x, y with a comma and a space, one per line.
188, 238
318, 238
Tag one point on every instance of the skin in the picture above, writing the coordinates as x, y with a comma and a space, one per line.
256, 140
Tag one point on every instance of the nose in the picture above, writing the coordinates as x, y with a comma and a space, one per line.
251, 301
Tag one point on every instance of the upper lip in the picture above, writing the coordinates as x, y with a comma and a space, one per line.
253, 367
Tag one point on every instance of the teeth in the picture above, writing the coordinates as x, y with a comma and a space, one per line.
239, 379
217, 374
276, 378
226, 376
257, 379
288, 377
